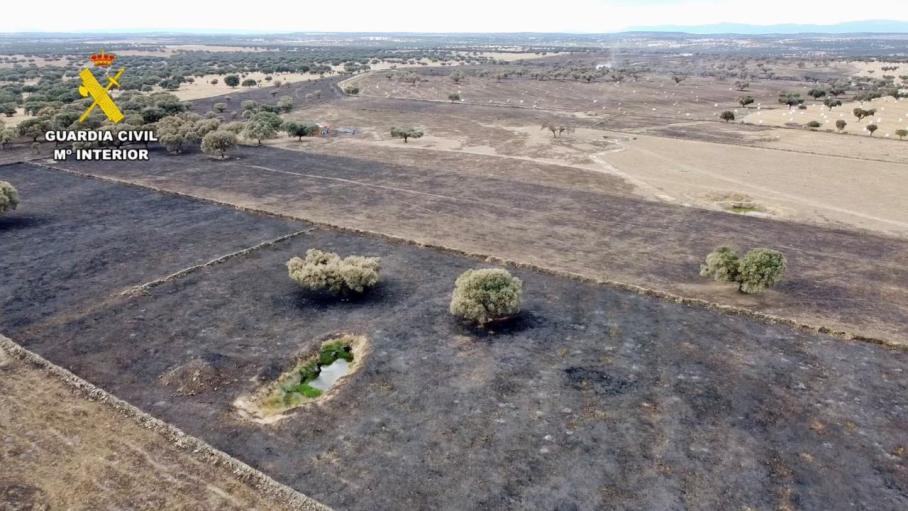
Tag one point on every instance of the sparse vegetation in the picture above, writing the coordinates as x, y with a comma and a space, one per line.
759, 269
218, 142
326, 271
406, 133
860, 113
486, 295
871, 128
791, 99
727, 116
285, 103
557, 129
33, 128
176, 132
9, 197
816, 93
832, 103
7, 135
262, 126
300, 130
721, 264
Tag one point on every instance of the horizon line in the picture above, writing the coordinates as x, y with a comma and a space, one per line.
668, 29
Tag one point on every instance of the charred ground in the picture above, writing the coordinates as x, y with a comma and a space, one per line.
595, 397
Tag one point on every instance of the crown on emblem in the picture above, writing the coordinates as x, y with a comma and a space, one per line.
103, 59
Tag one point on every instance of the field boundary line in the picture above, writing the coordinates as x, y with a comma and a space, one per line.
731, 310
194, 446
146, 286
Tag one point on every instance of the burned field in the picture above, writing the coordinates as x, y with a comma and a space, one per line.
592, 398
91, 242
301, 92
840, 279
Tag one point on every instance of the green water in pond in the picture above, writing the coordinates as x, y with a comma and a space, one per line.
312, 378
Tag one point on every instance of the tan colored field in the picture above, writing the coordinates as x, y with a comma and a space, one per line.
203, 88
875, 70
833, 144
802, 187
741, 180
18, 117
60, 450
791, 174
891, 115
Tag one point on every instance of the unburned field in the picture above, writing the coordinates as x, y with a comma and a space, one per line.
591, 398
61, 450
811, 178
891, 115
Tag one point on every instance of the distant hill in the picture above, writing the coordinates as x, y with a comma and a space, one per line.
851, 27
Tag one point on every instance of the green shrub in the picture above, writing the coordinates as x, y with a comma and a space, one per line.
218, 142
721, 264
486, 295
406, 133
760, 269
9, 197
326, 271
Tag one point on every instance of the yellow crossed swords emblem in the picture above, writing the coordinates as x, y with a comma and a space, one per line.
90, 86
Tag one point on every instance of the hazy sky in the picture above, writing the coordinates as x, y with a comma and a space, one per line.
426, 16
